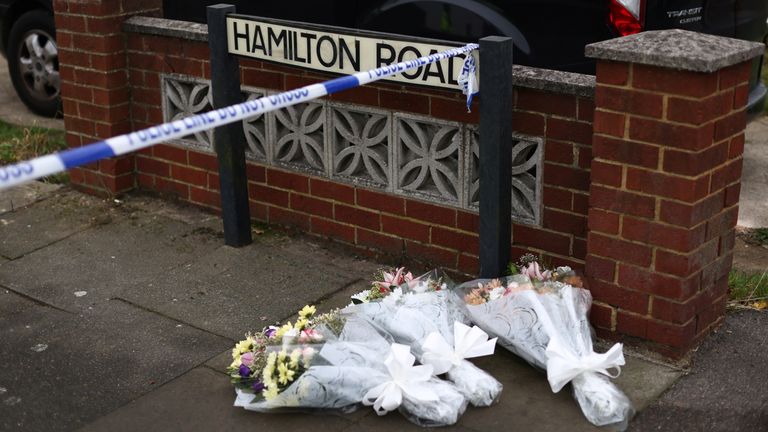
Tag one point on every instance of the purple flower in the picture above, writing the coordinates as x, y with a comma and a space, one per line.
245, 371
258, 386
270, 331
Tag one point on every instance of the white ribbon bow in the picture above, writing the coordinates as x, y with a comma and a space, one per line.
563, 365
467, 343
406, 379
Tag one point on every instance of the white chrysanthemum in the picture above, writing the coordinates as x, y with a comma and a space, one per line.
420, 287
362, 296
394, 296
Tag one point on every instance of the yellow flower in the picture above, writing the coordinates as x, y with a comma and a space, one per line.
285, 374
244, 345
295, 356
269, 368
270, 393
307, 311
300, 324
283, 329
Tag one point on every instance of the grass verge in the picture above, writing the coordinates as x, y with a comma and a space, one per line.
21, 143
748, 290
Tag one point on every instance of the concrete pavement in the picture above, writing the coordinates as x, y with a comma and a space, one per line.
121, 316
753, 204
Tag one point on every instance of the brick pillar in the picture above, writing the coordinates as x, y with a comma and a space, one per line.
665, 177
94, 83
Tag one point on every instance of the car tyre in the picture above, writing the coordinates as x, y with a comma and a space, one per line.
33, 62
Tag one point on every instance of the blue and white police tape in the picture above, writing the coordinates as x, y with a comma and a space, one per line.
468, 78
21, 172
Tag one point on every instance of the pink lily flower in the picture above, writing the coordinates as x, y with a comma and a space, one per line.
393, 280
533, 271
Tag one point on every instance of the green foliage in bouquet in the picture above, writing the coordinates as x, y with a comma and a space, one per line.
332, 321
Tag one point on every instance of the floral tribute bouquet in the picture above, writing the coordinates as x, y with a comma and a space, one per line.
337, 362
384, 283
541, 316
422, 314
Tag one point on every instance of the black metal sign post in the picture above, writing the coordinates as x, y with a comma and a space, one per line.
495, 155
229, 140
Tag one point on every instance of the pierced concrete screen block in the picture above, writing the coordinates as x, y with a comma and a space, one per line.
300, 137
404, 154
429, 159
526, 176
360, 145
256, 132
185, 96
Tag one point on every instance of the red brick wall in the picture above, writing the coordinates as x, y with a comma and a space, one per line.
94, 83
441, 236
653, 161
664, 199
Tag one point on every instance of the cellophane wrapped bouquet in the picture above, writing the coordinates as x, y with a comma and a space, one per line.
542, 316
336, 362
421, 312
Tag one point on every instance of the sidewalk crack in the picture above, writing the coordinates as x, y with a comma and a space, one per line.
10, 259
35, 300
160, 314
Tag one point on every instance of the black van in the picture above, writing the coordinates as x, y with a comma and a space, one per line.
547, 33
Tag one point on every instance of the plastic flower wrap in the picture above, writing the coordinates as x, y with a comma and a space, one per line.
544, 320
422, 314
353, 366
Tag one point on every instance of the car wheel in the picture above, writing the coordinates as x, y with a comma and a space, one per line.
33, 62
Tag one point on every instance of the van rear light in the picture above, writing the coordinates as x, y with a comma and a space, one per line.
624, 16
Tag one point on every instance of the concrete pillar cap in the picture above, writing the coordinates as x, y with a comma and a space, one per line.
677, 49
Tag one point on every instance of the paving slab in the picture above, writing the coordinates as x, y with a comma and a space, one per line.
202, 400
12, 303
61, 370
235, 290
23, 195
47, 221
96, 263
527, 403
753, 203
645, 380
